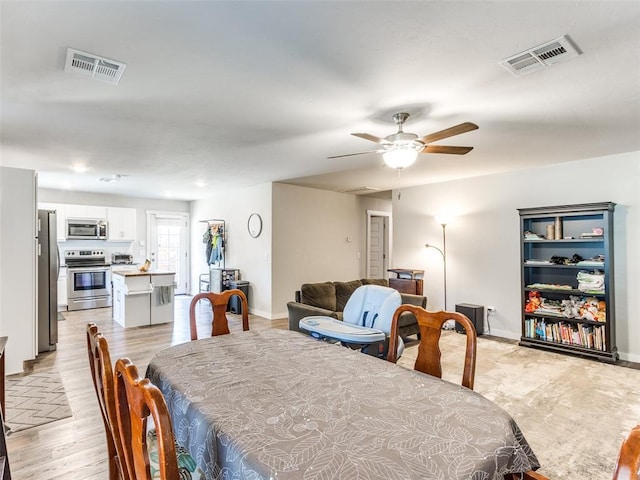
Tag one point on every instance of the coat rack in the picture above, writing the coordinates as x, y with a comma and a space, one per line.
215, 241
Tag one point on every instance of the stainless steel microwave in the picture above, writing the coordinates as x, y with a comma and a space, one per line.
86, 229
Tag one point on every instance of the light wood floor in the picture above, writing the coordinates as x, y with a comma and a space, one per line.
75, 448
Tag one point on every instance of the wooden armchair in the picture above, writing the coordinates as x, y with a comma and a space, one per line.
430, 325
137, 399
102, 375
219, 322
628, 463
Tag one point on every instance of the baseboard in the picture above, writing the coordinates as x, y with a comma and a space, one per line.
503, 333
629, 357
267, 315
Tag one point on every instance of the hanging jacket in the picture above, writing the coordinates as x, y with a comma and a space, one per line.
207, 239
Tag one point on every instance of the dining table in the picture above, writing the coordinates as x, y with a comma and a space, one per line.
279, 404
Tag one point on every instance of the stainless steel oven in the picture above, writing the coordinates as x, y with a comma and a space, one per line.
88, 279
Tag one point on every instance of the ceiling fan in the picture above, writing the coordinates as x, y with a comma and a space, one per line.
401, 148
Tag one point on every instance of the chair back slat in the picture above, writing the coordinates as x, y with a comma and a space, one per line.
102, 376
429, 354
219, 302
138, 399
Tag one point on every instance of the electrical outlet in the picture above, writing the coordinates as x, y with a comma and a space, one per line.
491, 310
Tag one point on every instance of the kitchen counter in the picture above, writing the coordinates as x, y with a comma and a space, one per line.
143, 298
134, 273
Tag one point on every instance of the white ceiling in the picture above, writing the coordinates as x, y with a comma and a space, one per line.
240, 93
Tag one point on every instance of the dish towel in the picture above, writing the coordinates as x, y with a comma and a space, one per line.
165, 294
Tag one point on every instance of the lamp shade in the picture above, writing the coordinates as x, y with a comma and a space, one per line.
400, 157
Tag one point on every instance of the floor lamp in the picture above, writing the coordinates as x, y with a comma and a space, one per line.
443, 252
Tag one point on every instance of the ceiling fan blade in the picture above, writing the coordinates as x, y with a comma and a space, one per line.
449, 132
359, 153
446, 149
368, 136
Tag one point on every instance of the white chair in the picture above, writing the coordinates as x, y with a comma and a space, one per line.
369, 311
373, 306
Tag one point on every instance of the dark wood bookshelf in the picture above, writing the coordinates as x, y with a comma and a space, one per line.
567, 223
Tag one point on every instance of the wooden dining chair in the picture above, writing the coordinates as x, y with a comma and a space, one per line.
137, 399
219, 302
102, 375
628, 462
430, 325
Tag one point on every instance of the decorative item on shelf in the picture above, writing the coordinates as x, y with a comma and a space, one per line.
532, 236
551, 235
558, 228
596, 232
533, 302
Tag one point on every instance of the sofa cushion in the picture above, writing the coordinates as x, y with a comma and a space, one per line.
321, 295
344, 290
375, 281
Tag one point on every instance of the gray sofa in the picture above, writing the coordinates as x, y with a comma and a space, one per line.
329, 299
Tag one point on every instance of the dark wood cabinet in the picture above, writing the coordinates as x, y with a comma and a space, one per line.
568, 293
407, 280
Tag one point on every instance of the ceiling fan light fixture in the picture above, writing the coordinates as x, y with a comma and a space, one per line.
400, 157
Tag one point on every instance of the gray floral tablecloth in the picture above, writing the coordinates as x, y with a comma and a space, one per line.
277, 404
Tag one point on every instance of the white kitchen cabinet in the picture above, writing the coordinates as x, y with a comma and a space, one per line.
122, 224
61, 218
131, 299
141, 299
85, 211
162, 298
62, 289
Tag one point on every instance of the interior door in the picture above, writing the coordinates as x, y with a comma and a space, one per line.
376, 248
167, 246
378, 243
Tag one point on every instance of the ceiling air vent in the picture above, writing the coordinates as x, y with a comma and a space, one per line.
93, 66
542, 56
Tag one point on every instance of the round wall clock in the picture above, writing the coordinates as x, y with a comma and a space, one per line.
254, 225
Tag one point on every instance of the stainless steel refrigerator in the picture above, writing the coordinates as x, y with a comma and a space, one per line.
48, 271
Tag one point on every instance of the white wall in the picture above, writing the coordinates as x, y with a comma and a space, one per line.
304, 239
18, 266
483, 240
252, 256
310, 233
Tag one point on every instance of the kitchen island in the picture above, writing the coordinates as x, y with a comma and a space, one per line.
143, 298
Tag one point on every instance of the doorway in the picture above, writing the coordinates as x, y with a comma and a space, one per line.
378, 243
167, 241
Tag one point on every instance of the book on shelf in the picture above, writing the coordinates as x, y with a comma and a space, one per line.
582, 335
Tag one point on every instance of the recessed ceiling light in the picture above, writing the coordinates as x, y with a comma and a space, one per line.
79, 167
201, 184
